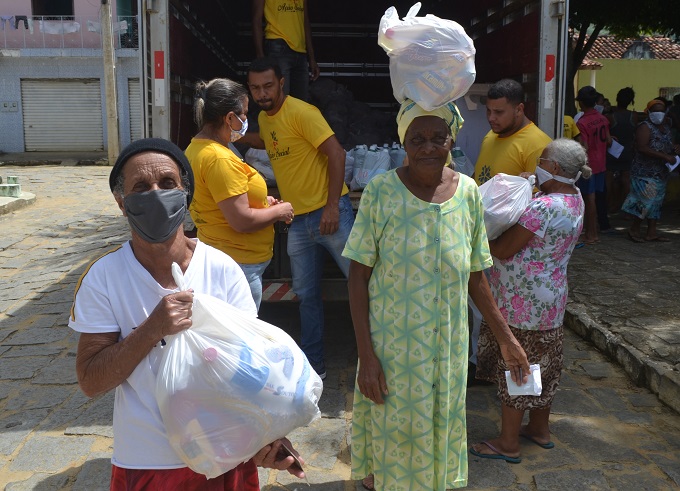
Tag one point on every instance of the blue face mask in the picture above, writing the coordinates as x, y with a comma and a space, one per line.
238, 134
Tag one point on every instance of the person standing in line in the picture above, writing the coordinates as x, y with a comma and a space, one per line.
231, 208
127, 302
570, 129
511, 146
654, 148
287, 38
529, 283
622, 124
595, 135
309, 166
418, 246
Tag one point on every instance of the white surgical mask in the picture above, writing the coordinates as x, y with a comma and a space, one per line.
656, 117
238, 134
542, 176
599, 108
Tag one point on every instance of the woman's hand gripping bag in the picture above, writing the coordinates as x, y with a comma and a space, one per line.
505, 198
230, 385
432, 60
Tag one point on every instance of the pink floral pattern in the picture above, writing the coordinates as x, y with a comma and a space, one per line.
531, 287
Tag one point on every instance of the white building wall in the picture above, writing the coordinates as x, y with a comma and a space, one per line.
15, 68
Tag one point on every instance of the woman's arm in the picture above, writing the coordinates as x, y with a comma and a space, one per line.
510, 242
244, 219
513, 354
371, 379
642, 137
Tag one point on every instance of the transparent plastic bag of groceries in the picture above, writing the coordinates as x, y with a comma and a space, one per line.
505, 198
432, 60
230, 385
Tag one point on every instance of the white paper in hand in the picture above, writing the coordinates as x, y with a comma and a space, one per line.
615, 149
533, 387
672, 167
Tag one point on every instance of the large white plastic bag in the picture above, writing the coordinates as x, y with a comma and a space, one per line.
231, 385
504, 197
376, 161
432, 60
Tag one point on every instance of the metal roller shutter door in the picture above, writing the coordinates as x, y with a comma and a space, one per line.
135, 109
62, 115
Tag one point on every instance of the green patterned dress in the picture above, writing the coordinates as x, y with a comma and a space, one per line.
421, 254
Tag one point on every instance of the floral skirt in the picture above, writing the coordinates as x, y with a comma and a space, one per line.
541, 347
645, 198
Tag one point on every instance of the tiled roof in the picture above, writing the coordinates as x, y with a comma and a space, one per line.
659, 48
589, 64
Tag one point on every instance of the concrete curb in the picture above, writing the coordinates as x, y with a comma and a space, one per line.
659, 377
64, 162
8, 205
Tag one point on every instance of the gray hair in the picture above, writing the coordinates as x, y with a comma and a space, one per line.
570, 156
217, 98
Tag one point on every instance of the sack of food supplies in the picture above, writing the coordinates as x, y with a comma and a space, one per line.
432, 60
505, 198
230, 385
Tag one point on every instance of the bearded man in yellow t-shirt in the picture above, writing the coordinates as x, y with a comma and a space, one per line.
309, 166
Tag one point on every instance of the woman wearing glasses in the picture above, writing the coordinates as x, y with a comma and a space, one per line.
417, 247
529, 282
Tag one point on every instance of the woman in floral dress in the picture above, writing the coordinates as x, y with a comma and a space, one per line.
417, 246
529, 282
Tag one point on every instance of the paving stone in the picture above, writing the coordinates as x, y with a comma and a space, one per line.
318, 443
332, 403
51, 454
641, 482
96, 419
14, 428
597, 371
670, 467
575, 402
643, 400
33, 350
598, 441
61, 371
38, 396
570, 481
21, 368
608, 398
40, 482
38, 335
95, 473
633, 418
487, 473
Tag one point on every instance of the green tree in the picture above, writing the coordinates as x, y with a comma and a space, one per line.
622, 18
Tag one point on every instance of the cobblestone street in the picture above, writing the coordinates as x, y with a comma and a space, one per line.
609, 433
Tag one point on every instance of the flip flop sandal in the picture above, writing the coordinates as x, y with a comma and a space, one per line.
635, 238
658, 238
547, 446
498, 455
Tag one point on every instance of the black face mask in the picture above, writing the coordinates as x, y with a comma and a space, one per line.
156, 215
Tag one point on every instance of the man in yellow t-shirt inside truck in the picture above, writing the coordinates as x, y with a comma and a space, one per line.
309, 166
287, 38
512, 146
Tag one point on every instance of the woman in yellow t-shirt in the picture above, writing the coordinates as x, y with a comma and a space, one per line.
231, 208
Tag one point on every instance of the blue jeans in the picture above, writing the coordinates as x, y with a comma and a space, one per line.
306, 250
253, 274
294, 67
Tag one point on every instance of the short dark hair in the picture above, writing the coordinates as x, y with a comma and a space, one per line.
625, 96
510, 89
265, 64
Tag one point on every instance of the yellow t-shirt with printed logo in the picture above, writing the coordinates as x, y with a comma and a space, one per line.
571, 131
512, 154
292, 137
285, 19
218, 175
